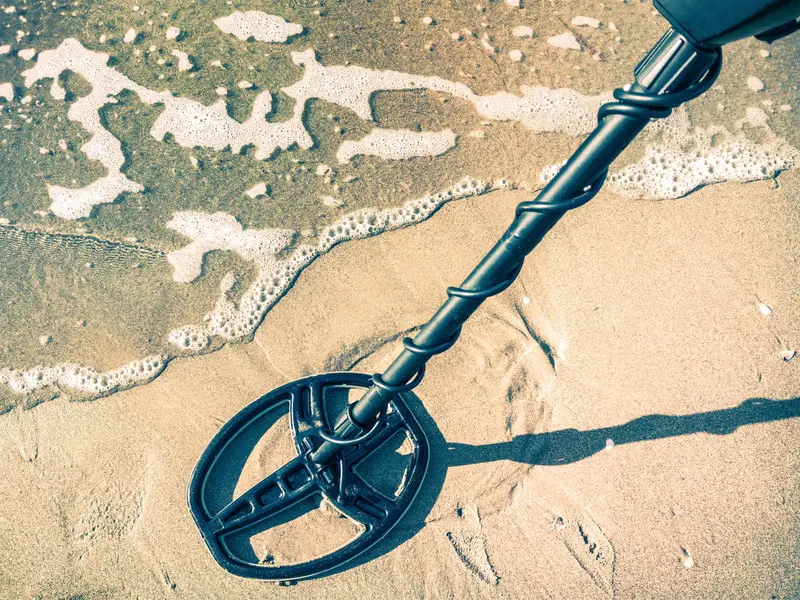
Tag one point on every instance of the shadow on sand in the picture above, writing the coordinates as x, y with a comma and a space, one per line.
562, 447
549, 448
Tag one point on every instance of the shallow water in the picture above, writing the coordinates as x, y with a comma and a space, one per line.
100, 291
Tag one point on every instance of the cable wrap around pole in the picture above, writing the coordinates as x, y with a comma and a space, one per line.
639, 105
673, 72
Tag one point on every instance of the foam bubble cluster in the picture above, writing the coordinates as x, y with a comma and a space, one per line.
668, 170
192, 123
258, 25
221, 231
398, 144
367, 222
190, 338
231, 320
545, 110
80, 380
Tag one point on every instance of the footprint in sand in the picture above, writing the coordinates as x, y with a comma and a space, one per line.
108, 509
24, 430
466, 537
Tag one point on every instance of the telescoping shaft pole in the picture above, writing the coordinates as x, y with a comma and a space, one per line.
673, 72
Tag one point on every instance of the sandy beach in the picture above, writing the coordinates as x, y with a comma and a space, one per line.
643, 328
200, 202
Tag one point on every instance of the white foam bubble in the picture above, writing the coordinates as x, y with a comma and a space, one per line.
522, 31
398, 144
755, 84
27, 53
258, 25
7, 91
5, 49
257, 190
221, 231
586, 22
564, 40
331, 201
194, 124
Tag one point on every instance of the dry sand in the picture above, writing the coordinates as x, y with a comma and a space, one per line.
643, 327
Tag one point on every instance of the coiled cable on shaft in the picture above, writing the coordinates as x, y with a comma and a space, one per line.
635, 104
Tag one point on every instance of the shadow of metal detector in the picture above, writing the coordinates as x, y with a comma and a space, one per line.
681, 66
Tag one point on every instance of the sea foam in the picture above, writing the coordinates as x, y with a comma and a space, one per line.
192, 123
278, 263
237, 320
667, 170
232, 320
69, 203
258, 25
398, 144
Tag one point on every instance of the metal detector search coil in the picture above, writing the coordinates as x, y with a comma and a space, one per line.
300, 479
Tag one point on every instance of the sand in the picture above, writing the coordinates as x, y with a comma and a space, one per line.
636, 322
621, 422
